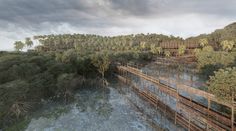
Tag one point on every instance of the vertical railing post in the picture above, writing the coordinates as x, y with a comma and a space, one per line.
189, 121
177, 97
126, 76
208, 108
177, 104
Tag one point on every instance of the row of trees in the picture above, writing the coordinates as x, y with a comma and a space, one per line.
93, 43
85, 44
19, 45
98, 43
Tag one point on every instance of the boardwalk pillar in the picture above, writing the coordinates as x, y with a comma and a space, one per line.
191, 79
175, 118
189, 121
177, 98
189, 115
208, 108
176, 111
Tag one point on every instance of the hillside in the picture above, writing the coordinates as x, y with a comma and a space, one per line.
214, 38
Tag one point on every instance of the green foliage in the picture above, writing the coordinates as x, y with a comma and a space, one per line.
203, 42
181, 50
84, 66
207, 56
24, 70
18, 45
25, 79
89, 44
102, 62
28, 42
58, 68
64, 82
130, 56
55, 112
228, 33
227, 45
12, 96
167, 53
64, 87
143, 45
223, 84
156, 50
209, 60
69, 56
58, 57
20, 126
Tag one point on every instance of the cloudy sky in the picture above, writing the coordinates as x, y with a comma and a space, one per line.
22, 18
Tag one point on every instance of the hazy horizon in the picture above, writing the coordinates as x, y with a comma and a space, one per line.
184, 18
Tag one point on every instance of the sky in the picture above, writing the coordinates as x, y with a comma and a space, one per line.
184, 18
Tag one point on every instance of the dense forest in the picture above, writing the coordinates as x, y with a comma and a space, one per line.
60, 64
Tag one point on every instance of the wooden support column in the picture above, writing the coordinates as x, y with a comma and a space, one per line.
191, 79
189, 118
164, 103
176, 107
208, 110
177, 97
189, 121
177, 103
126, 75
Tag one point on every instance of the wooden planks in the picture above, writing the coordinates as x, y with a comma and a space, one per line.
183, 87
193, 106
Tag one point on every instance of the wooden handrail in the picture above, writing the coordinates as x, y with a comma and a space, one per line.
188, 89
191, 106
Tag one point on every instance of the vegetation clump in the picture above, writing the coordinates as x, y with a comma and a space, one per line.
217, 59
223, 84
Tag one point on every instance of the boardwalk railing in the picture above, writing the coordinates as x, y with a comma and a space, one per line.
200, 117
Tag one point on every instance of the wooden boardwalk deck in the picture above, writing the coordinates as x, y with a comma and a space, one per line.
212, 119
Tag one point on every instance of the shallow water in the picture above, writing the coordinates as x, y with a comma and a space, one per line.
152, 114
92, 110
180, 74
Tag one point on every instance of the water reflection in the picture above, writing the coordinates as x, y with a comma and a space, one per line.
93, 110
181, 74
152, 114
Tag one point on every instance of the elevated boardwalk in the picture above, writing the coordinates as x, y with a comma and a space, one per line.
200, 117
